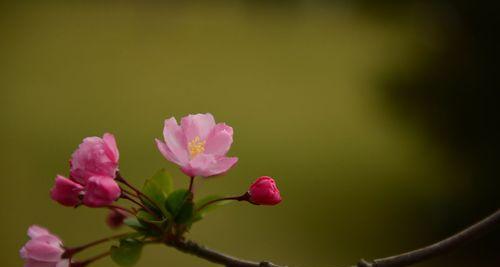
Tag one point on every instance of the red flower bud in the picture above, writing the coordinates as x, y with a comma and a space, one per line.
115, 218
264, 192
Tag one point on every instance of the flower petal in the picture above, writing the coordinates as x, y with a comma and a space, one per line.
223, 165
207, 165
175, 140
36, 231
219, 140
165, 151
35, 263
197, 125
66, 192
101, 191
111, 148
63, 263
45, 248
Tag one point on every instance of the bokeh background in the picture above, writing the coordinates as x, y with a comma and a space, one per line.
376, 118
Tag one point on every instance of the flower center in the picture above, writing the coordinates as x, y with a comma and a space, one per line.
196, 146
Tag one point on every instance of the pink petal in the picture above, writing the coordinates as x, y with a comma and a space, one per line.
165, 151
35, 263
198, 125
111, 148
219, 140
63, 263
199, 166
223, 165
206, 165
175, 140
36, 231
45, 248
101, 191
66, 192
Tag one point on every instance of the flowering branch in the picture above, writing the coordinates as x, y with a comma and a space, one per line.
165, 215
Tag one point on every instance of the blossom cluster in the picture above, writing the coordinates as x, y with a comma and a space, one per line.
159, 214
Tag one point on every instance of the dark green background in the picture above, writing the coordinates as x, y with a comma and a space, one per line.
300, 83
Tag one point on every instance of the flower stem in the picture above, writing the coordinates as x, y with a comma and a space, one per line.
132, 194
191, 183
69, 252
140, 195
124, 196
244, 197
90, 260
120, 208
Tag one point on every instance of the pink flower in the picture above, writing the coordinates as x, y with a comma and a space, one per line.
95, 156
198, 145
66, 192
115, 218
43, 250
101, 191
264, 192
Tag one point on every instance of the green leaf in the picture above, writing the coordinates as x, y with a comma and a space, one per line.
135, 224
158, 187
185, 213
127, 253
180, 205
146, 218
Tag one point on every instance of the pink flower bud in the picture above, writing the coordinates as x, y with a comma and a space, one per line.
264, 192
101, 191
115, 218
95, 157
43, 250
66, 192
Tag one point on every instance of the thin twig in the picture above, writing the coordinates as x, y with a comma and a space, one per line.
116, 207
191, 183
243, 197
69, 252
124, 196
91, 260
472, 232
215, 256
140, 195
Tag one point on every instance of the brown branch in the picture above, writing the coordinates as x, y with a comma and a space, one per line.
472, 232
203, 252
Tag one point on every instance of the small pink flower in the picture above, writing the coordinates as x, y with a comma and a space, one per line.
264, 192
66, 192
43, 250
115, 218
95, 156
101, 191
198, 145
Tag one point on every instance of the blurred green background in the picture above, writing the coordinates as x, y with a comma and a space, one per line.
354, 108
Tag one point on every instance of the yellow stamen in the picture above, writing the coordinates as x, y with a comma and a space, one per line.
196, 146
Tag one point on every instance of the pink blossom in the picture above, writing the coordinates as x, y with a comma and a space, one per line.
66, 191
101, 191
198, 145
43, 250
263, 191
95, 156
